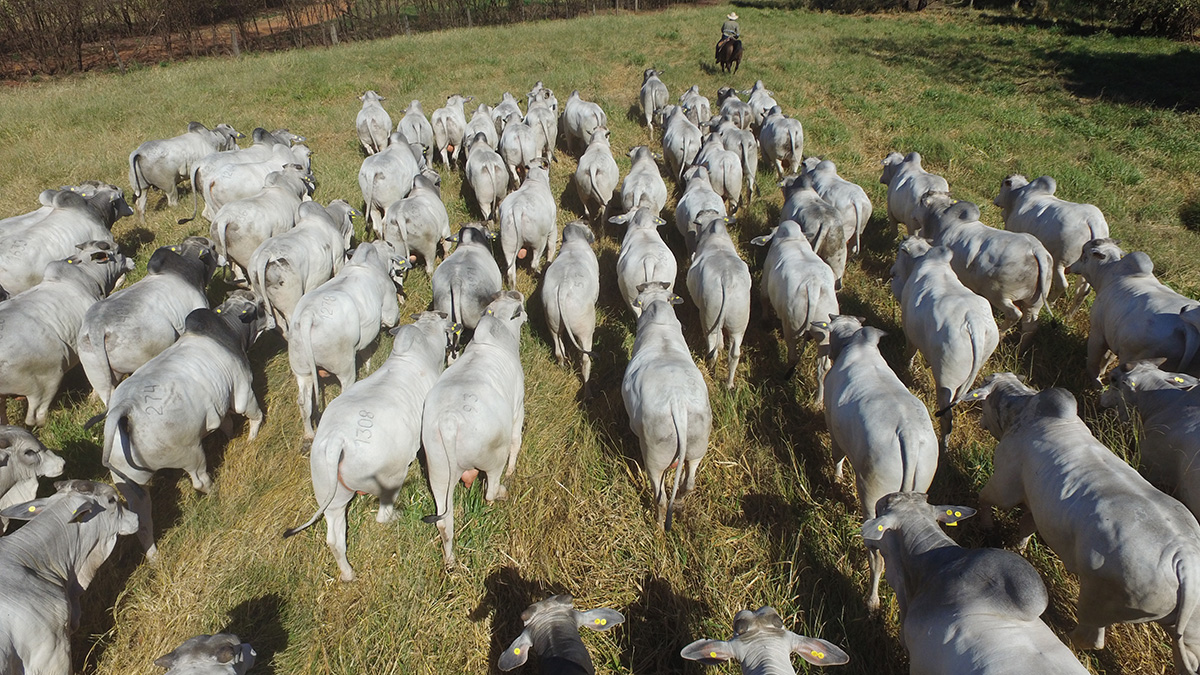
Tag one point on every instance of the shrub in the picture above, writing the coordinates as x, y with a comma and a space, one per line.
1172, 18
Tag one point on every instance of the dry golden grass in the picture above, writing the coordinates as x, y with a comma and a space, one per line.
767, 524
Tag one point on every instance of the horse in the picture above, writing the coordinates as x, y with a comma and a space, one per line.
729, 53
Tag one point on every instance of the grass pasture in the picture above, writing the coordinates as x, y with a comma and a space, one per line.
1113, 119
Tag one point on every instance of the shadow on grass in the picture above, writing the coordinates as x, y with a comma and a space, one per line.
659, 617
506, 594
1151, 80
134, 240
259, 623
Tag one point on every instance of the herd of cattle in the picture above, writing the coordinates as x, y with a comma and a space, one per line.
170, 370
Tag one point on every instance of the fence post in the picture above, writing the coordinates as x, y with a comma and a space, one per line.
333, 33
233, 42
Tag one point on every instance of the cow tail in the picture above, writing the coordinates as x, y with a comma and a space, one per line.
336, 472
679, 417
259, 278
116, 430
908, 455
592, 170
195, 176
1188, 653
456, 316
103, 354
219, 226
1045, 270
720, 320
859, 225
442, 426
566, 325
134, 182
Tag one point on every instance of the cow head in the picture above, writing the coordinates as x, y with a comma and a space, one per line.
759, 631
223, 654
1131, 379
578, 230
23, 456
910, 510
540, 619
655, 301
1004, 397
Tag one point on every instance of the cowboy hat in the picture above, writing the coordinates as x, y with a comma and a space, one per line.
732, 16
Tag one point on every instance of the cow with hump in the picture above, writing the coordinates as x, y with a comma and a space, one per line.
552, 630
1136, 550
962, 611
763, 646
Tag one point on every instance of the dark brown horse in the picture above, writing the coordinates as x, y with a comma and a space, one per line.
729, 53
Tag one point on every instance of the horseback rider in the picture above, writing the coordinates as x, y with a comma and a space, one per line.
729, 29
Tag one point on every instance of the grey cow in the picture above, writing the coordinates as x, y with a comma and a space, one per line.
416, 129
643, 186
698, 200
23, 459
724, 170
373, 123
450, 128
487, 175
875, 422
286, 266
387, 177
464, 284
159, 415
47, 565
163, 163
419, 223
1135, 316
1136, 550
506, 112
78, 214
906, 183
745, 145
1169, 438
552, 630
951, 326
799, 287
822, 222
240, 177
1011, 269
39, 327
681, 141
962, 611
519, 148
341, 317
580, 119
570, 288
782, 141
666, 399
220, 654
761, 100
696, 105
544, 121
241, 226
528, 218
597, 175
1063, 227
473, 415
848, 197
735, 108
763, 646
653, 95
481, 123
719, 283
644, 256
372, 432
124, 331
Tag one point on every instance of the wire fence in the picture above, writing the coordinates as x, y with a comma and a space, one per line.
60, 36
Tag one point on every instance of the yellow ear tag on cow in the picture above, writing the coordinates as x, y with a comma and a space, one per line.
1179, 380
218, 310
880, 527
175, 249
974, 394
601, 621
32, 509
516, 650
490, 313
958, 514
819, 655
712, 655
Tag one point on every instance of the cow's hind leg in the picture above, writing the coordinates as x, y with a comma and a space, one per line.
335, 531
139, 502
735, 355
946, 421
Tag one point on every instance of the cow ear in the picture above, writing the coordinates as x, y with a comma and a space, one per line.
676, 300
709, 652
517, 653
1179, 380
24, 511
818, 652
3, 458
950, 515
599, 619
225, 653
166, 660
873, 529
619, 220
85, 511
763, 240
